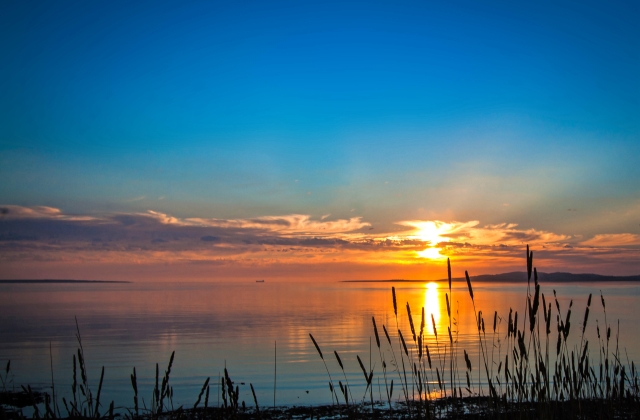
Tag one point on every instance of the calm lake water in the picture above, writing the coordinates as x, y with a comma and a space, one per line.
210, 325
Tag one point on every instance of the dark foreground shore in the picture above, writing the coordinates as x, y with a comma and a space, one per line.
25, 404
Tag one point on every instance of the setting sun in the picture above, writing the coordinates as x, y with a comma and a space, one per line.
431, 232
431, 253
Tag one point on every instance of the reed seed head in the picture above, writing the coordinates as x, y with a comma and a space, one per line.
433, 322
449, 273
317, 347
469, 284
448, 307
364, 371
339, 360
375, 329
404, 345
386, 333
510, 326
586, 317
395, 305
413, 331
495, 320
529, 263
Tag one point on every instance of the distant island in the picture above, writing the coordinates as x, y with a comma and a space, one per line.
49, 281
518, 277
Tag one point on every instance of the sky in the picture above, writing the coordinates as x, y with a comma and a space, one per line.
208, 141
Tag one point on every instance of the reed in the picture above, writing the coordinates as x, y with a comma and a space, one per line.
331, 387
346, 389
255, 400
205, 387
529, 380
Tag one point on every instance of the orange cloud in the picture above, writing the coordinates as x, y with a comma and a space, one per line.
613, 240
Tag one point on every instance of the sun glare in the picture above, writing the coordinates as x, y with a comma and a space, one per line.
431, 231
431, 253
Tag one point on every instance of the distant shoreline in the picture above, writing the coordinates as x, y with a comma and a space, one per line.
517, 277
49, 281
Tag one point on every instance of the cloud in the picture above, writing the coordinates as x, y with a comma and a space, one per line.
613, 240
17, 237
436, 231
298, 224
8, 211
162, 218
115, 232
134, 199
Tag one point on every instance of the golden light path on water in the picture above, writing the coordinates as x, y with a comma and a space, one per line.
141, 324
431, 304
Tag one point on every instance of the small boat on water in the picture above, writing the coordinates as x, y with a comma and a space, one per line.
259, 281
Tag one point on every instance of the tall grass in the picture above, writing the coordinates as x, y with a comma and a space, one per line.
529, 380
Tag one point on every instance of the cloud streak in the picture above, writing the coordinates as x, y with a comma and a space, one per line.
613, 240
293, 224
36, 212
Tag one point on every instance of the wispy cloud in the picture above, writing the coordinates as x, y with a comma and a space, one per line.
613, 240
37, 212
293, 224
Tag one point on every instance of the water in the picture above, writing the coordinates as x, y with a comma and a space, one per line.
245, 326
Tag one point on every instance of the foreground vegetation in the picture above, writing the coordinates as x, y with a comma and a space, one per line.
539, 375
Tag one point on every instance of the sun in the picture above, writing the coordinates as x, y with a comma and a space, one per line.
432, 232
431, 253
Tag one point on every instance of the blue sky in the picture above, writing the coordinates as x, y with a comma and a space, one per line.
500, 112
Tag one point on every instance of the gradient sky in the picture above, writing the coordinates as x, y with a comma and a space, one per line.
299, 140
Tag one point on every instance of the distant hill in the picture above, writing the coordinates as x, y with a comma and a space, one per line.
520, 276
50, 281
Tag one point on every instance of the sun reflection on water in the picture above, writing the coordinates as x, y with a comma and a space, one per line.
431, 304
